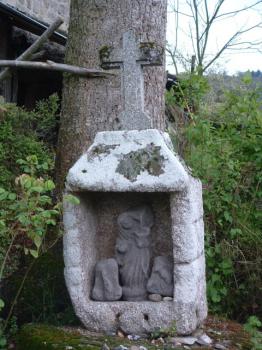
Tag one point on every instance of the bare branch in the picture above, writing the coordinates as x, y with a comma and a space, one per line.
173, 58
218, 54
203, 19
182, 13
197, 31
234, 13
49, 65
213, 17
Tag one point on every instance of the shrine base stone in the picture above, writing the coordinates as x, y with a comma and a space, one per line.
178, 231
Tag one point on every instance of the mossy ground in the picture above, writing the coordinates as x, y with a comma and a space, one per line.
44, 337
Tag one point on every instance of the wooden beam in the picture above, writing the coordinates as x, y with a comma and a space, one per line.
35, 46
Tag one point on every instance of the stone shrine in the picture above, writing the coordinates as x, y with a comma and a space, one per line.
138, 231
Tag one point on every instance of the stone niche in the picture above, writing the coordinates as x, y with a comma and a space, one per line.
123, 170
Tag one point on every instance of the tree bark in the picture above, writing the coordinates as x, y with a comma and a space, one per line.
89, 106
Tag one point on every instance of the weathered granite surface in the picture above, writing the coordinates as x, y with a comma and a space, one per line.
91, 232
124, 161
187, 222
130, 59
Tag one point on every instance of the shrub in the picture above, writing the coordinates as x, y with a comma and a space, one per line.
24, 133
224, 151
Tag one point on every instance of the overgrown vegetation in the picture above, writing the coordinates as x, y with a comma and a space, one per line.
223, 148
221, 143
29, 216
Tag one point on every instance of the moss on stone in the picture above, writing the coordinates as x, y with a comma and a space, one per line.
104, 52
44, 337
135, 162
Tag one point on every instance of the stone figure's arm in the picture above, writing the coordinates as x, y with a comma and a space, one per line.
142, 242
121, 246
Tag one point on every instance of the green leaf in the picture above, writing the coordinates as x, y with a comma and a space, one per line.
51, 222
3, 195
247, 78
2, 304
49, 185
46, 214
71, 199
37, 189
34, 253
38, 241
12, 196
3, 342
24, 219
2, 224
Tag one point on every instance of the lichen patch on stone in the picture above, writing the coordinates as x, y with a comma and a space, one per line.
146, 159
100, 150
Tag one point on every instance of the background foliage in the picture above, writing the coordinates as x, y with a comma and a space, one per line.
223, 148
31, 271
219, 134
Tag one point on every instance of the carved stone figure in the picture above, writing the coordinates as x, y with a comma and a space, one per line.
106, 287
133, 251
161, 279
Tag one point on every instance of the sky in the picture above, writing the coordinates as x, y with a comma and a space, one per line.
223, 29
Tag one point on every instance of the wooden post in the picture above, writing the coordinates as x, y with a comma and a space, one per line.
5, 39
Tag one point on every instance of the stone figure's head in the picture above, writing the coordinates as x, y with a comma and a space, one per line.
161, 279
138, 221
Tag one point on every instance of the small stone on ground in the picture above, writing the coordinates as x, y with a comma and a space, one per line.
219, 347
204, 339
105, 347
121, 347
120, 334
185, 340
155, 297
167, 299
133, 337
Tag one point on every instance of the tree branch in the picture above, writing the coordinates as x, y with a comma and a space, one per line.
49, 65
197, 31
240, 10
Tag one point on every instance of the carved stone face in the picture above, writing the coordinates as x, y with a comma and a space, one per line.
161, 280
136, 221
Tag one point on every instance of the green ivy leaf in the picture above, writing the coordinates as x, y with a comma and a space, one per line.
37, 189
49, 185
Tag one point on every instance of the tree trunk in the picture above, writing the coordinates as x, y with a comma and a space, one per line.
92, 105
